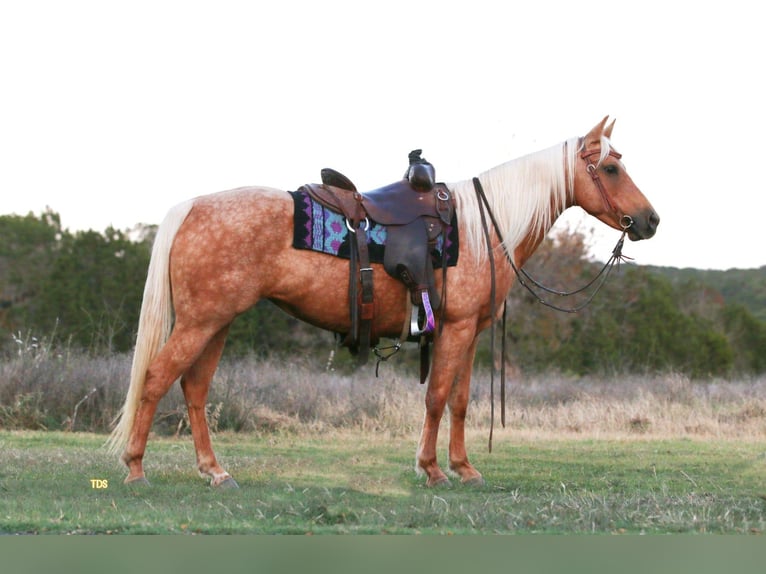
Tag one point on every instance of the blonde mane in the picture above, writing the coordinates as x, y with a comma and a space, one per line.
526, 195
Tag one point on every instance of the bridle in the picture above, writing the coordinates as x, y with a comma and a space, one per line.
525, 279
592, 168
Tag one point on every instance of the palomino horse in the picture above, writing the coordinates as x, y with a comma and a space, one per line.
215, 256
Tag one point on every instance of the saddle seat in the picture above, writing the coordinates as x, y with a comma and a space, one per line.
398, 203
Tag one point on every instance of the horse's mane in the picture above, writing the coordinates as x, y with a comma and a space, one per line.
526, 195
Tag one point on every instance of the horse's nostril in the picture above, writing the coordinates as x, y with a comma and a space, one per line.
654, 219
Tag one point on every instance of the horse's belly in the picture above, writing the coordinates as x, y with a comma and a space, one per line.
322, 299
321, 295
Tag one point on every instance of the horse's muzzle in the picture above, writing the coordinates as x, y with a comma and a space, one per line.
644, 225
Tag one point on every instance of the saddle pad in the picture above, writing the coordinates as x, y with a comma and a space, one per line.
323, 230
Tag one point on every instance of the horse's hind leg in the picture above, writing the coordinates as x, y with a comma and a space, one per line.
178, 354
195, 384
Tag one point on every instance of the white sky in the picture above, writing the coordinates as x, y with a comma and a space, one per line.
112, 112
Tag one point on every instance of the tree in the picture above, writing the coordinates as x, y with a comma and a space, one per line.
92, 294
747, 336
28, 247
87, 287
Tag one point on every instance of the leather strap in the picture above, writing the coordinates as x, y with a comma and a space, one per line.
591, 168
352, 340
482, 200
366, 301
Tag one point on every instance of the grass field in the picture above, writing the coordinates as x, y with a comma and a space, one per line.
362, 481
331, 452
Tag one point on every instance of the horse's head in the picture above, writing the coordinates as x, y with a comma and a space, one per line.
604, 189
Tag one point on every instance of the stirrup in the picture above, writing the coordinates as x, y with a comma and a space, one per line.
415, 329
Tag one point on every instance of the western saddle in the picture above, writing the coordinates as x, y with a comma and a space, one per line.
416, 212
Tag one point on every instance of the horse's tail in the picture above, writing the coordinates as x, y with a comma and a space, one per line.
154, 324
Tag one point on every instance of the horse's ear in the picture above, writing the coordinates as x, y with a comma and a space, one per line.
608, 130
594, 136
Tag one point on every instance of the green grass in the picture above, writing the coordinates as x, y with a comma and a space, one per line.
364, 482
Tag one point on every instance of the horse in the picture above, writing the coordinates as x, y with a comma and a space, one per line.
216, 255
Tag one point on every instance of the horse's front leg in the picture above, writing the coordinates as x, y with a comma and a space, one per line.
449, 362
458, 407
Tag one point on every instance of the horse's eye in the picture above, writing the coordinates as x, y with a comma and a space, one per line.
611, 169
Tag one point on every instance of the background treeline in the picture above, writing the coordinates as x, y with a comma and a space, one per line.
84, 290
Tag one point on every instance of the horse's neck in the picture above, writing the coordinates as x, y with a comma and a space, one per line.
526, 196
527, 247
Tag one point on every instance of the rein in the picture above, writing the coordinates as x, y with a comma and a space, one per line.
485, 210
616, 258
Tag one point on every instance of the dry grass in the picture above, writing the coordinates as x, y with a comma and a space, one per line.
662, 407
43, 389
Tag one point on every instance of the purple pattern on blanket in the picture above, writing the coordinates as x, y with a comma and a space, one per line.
320, 229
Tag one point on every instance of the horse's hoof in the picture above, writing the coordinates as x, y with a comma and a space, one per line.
138, 482
228, 483
442, 482
475, 481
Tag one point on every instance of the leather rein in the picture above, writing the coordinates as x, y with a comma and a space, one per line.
525, 279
